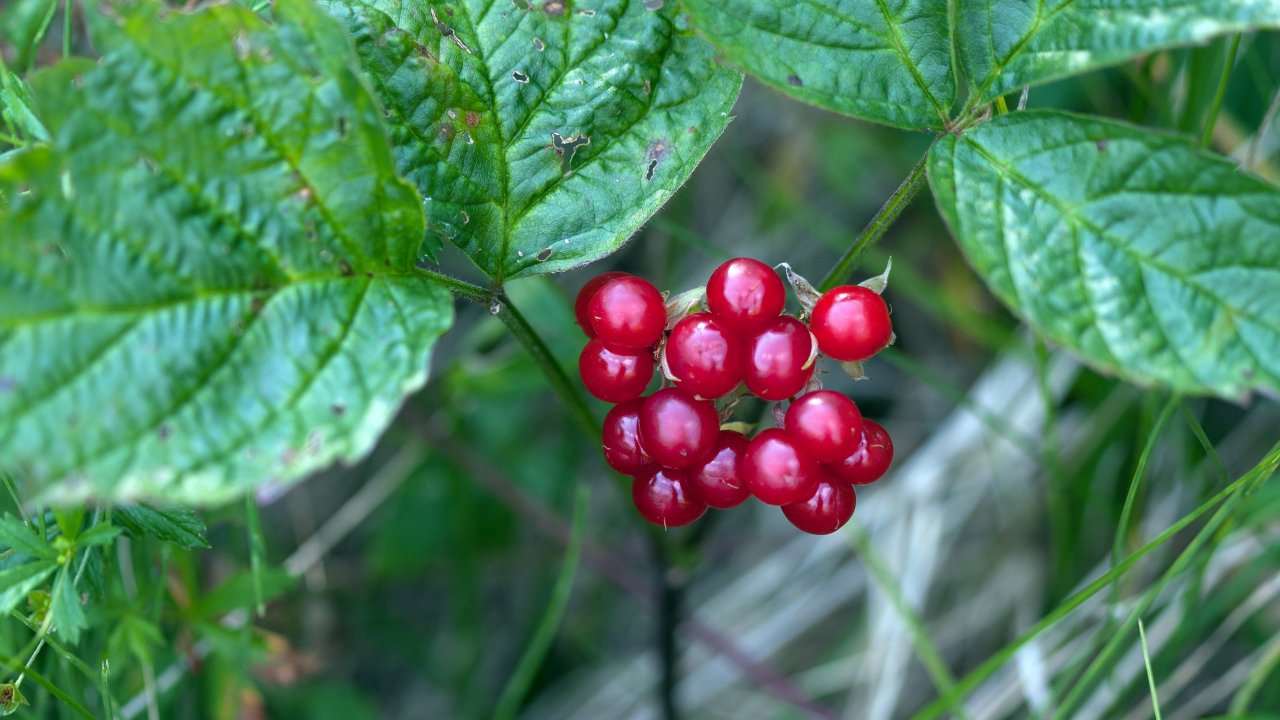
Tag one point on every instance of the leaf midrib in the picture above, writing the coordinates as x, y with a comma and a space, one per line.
889, 21
1072, 213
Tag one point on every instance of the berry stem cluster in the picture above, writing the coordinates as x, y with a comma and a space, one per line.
683, 453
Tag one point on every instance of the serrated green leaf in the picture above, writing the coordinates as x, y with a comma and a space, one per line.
172, 524
16, 582
210, 283
888, 62
1143, 256
1007, 44
543, 134
15, 534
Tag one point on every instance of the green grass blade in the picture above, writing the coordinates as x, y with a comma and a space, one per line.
1264, 469
536, 651
1151, 678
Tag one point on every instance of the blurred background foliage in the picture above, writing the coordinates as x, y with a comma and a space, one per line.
412, 584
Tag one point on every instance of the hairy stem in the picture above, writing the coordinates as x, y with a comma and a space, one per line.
879, 224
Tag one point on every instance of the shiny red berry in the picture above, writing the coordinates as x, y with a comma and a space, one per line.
826, 511
703, 356
870, 461
588, 291
676, 429
851, 323
663, 498
719, 481
776, 471
621, 439
745, 294
614, 375
825, 424
628, 312
779, 359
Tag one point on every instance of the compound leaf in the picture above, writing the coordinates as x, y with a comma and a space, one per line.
207, 277
1146, 258
542, 135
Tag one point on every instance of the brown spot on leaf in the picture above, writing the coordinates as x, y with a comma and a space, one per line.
545, 255
473, 118
566, 147
657, 152
519, 77
795, 81
553, 8
164, 432
539, 45
338, 409
1101, 145
344, 268
445, 132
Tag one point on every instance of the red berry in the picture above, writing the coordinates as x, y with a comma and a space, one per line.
780, 359
826, 511
677, 430
851, 323
703, 356
614, 375
718, 481
663, 498
588, 291
745, 294
776, 471
870, 461
621, 437
825, 424
628, 312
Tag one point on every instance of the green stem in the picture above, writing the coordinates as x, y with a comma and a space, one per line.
569, 391
257, 550
879, 224
461, 288
67, 13
1221, 93
536, 651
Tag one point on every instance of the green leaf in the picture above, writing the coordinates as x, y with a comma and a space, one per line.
69, 520
1007, 44
243, 591
67, 608
888, 62
100, 534
16, 582
15, 534
541, 135
1148, 259
210, 283
172, 524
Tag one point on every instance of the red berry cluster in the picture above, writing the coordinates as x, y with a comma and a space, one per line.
671, 442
